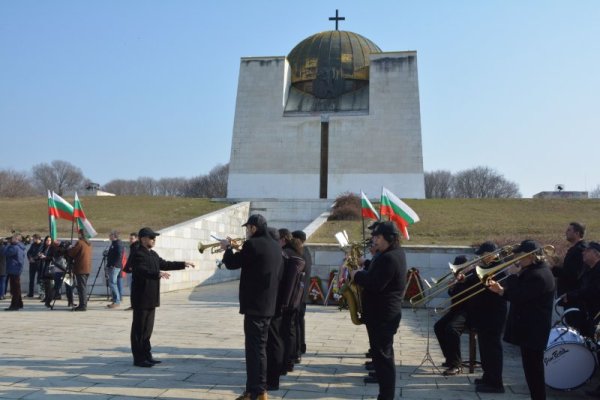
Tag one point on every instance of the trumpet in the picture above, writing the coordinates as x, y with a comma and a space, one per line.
443, 282
485, 275
216, 247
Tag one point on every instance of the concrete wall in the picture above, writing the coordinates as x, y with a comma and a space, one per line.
431, 261
275, 155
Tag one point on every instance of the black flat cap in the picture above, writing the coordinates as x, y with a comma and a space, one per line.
147, 232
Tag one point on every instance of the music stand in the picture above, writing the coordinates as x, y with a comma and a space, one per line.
427, 356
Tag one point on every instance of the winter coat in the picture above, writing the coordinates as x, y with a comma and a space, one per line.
261, 261
15, 258
146, 266
81, 254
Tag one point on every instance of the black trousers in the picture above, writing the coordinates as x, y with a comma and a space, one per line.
34, 269
141, 331
301, 330
533, 365
16, 300
288, 334
490, 351
81, 283
256, 330
275, 350
448, 330
382, 346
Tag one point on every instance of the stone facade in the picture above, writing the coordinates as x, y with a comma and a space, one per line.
276, 154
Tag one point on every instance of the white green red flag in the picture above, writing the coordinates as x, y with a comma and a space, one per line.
82, 220
398, 211
64, 210
52, 215
367, 209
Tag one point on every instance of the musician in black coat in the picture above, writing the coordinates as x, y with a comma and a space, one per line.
487, 315
449, 328
301, 326
383, 286
148, 270
261, 261
587, 297
568, 276
530, 292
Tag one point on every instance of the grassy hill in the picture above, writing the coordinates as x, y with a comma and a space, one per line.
124, 213
448, 221
471, 221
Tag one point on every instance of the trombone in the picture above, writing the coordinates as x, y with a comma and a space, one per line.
442, 283
216, 247
486, 274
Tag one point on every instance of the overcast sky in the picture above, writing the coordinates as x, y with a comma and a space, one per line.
124, 89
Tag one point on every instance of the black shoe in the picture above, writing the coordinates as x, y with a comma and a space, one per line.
80, 308
486, 388
290, 367
478, 381
452, 371
272, 388
370, 379
445, 364
30, 296
143, 364
153, 361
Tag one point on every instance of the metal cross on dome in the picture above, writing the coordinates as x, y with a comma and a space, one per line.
336, 19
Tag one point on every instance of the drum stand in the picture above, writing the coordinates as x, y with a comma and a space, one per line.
427, 356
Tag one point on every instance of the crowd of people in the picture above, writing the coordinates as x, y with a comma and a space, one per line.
514, 305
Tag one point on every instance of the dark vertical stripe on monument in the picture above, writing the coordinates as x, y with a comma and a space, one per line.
324, 159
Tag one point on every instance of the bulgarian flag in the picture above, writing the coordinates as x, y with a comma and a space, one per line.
52, 215
367, 209
82, 221
62, 208
398, 211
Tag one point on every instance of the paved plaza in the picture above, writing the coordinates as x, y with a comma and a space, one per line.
198, 335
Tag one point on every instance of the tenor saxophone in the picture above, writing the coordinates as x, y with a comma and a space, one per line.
350, 291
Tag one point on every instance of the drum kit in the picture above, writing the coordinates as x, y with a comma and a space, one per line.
570, 358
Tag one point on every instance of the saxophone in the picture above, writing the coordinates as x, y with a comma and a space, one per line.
350, 291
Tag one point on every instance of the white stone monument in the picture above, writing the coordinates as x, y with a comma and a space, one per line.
336, 115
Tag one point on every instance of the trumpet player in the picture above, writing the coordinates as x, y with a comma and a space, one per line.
261, 262
531, 293
384, 285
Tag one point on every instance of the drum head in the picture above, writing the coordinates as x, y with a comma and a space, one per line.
568, 365
562, 334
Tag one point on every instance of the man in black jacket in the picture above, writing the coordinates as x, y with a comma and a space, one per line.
530, 292
114, 265
301, 326
261, 261
148, 270
568, 276
383, 290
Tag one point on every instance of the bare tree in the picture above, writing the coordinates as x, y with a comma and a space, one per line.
120, 187
438, 184
483, 182
170, 186
595, 193
59, 176
15, 184
212, 185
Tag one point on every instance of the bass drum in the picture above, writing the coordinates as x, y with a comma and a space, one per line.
568, 363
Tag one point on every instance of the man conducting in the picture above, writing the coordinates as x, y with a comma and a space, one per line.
261, 261
148, 269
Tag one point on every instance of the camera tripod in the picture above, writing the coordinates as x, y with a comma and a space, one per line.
68, 285
101, 267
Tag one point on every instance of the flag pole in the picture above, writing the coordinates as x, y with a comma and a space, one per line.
73, 224
364, 239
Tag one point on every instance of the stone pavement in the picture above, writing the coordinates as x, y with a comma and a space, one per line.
198, 335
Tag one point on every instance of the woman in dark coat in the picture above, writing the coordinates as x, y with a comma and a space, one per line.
531, 294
